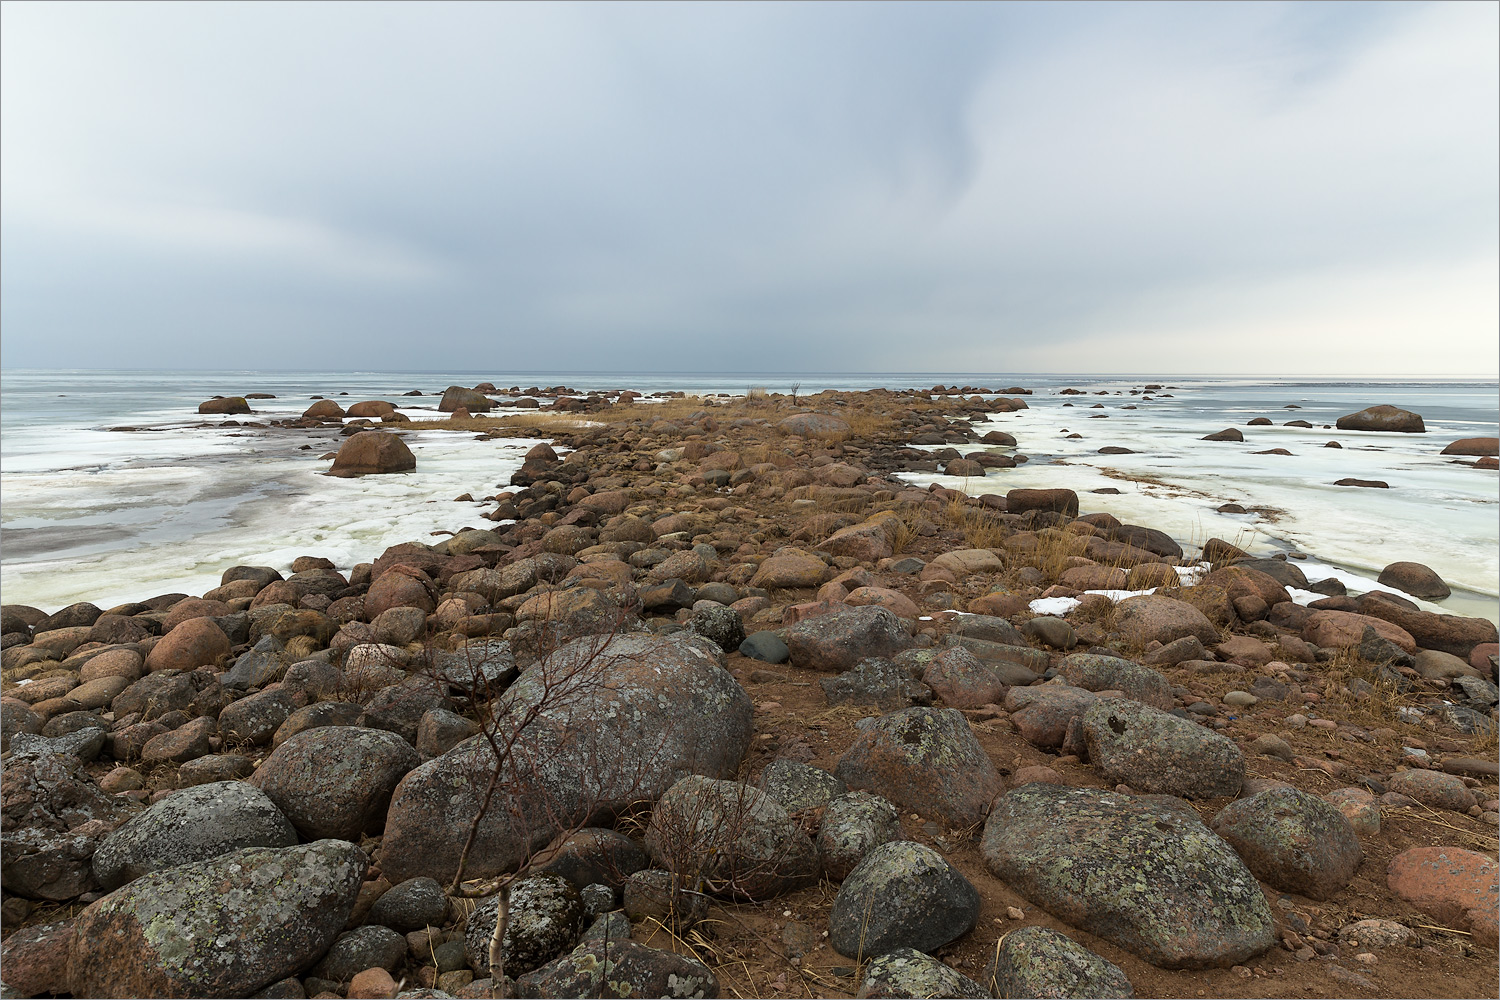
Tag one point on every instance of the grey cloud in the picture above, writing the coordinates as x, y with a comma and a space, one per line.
784, 186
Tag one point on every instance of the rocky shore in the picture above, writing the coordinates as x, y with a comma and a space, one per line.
721, 706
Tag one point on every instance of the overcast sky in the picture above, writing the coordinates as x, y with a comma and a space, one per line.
1069, 187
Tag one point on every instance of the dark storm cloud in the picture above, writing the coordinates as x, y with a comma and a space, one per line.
884, 186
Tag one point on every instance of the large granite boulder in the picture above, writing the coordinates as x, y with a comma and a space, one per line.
926, 761
1382, 417
220, 928
371, 453
604, 722
194, 824
1140, 871
1154, 751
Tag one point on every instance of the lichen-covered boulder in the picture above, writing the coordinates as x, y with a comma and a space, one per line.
839, 640
797, 786
1140, 871
737, 838
54, 818
906, 972
194, 824
1093, 672
546, 915
606, 722
1040, 962
854, 824
902, 895
925, 760
1153, 751
620, 968
336, 780
220, 928
1293, 841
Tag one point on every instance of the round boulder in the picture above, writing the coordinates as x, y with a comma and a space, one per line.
674, 711
1415, 579
194, 824
335, 781
1039, 962
737, 838
902, 895
925, 760
280, 908
197, 642
1153, 751
546, 915
1140, 871
1293, 841
372, 453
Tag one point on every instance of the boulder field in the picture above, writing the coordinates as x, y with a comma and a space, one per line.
723, 707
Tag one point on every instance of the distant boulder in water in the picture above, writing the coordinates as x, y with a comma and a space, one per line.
372, 453
224, 404
1478, 447
456, 395
1383, 418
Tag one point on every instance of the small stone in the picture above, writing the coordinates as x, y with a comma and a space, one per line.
372, 984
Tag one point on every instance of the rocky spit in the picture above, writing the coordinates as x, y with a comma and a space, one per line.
731, 710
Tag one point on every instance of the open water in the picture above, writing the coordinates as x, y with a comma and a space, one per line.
113, 488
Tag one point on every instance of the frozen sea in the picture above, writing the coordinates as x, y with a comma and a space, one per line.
113, 488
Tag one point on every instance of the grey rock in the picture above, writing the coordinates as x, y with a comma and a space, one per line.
194, 824
16, 718
854, 824
399, 708
441, 730
903, 895
1153, 751
989, 628
368, 947
841, 639
1140, 871
335, 781
1053, 631
256, 718
546, 915
675, 710
123, 947
1038, 962
926, 761
722, 626
597, 855
624, 968
1042, 714
611, 926
84, 744
675, 900
906, 972
765, 646
315, 716
261, 665
481, 666
798, 786
598, 899
1292, 841
214, 767
1105, 673
736, 837
411, 905
875, 681
54, 817
1013, 664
